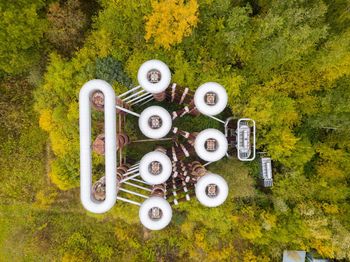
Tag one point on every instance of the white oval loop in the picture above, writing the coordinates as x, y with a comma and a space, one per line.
87, 199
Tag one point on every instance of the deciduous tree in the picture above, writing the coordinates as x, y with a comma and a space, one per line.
170, 21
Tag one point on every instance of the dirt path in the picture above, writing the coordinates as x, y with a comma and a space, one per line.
66, 201
48, 156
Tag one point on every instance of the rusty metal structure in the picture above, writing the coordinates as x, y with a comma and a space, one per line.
169, 174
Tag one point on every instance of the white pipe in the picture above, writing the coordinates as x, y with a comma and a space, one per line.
152, 140
137, 98
254, 138
146, 97
130, 177
127, 111
217, 119
131, 171
129, 91
208, 163
140, 181
133, 167
128, 201
132, 192
87, 199
133, 95
141, 187
149, 100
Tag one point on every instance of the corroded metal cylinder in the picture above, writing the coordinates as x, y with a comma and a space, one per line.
98, 146
185, 134
122, 140
122, 169
161, 149
197, 170
193, 111
159, 190
98, 189
159, 96
98, 102
180, 151
120, 103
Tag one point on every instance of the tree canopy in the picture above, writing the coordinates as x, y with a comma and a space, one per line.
21, 31
285, 64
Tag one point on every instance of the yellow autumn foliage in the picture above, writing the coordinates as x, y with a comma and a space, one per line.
45, 198
45, 120
59, 143
330, 170
324, 249
69, 257
57, 180
171, 21
249, 256
330, 208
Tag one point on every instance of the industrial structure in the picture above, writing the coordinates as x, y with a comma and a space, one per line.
169, 174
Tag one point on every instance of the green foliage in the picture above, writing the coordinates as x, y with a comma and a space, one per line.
283, 66
21, 30
333, 111
338, 16
66, 26
283, 63
110, 70
21, 152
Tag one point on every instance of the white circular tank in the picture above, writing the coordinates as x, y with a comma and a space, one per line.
154, 76
155, 213
211, 190
210, 98
155, 168
211, 145
155, 122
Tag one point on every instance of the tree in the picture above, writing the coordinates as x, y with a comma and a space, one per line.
333, 110
67, 24
284, 64
21, 30
110, 70
180, 18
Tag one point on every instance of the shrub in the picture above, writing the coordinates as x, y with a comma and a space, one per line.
66, 26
